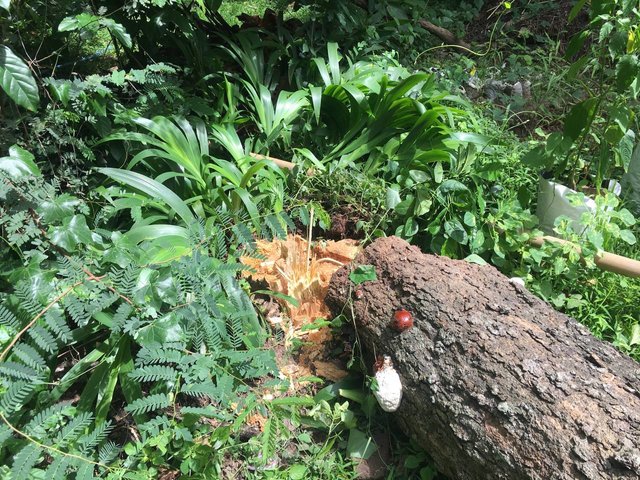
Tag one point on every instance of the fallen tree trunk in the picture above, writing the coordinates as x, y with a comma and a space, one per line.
497, 385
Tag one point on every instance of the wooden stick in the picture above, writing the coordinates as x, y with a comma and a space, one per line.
277, 161
604, 260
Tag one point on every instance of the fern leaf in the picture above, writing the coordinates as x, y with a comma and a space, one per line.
16, 396
35, 427
154, 373
29, 355
24, 461
102, 302
58, 468
85, 470
43, 339
201, 390
121, 316
17, 370
72, 430
125, 279
108, 452
8, 319
5, 434
268, 440
155, 355
56, 322
95, 437
244, 236
275, 226
148, 404
77, 311
27, 299
207, 412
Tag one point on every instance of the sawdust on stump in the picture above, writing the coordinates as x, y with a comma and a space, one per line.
300, 270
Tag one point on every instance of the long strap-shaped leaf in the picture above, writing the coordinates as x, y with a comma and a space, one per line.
153, 189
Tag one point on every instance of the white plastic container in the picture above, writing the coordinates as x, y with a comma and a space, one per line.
553, 202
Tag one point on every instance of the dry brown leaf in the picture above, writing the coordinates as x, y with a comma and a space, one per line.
329, 370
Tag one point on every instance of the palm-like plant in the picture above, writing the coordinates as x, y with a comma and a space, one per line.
207, 184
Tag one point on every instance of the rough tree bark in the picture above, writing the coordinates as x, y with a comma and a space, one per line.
497, 385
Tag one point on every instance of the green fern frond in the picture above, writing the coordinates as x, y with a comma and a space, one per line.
268, 440
154, 373
5, 434
276, 227
202, 390
17, 370
58, 468
8, 319
121, 316
27, 300
148, 404
55, 321
108, 452
72, 430
244, 237
207, 412
125, 279
77, 310
156, 355
102, 302
16, 396
36, 426
85, 470
43, 339
95, 437
236, 333
24, 461
29, 356
214, 334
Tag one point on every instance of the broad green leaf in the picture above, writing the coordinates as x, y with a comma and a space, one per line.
17, 81
393, 197
363, 273
578, 118
151, 188
118, 31
360, 445
56, 208
70, 24
477, 259
626, 72
19, 163
628, 237
74, 230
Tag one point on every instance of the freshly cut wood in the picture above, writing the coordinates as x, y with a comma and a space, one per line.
497, 384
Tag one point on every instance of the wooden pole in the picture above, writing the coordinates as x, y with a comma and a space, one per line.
277, 161
604, 260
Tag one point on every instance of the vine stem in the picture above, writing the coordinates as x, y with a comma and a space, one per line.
50, 448
35, 319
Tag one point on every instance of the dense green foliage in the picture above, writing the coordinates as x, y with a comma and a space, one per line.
137, 171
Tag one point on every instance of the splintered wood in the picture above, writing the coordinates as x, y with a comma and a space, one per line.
302, 270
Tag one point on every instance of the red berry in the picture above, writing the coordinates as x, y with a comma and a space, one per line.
359, 293
402, 320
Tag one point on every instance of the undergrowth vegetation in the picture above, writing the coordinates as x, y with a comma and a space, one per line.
138, 142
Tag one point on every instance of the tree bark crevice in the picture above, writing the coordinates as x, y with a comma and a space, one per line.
496, 383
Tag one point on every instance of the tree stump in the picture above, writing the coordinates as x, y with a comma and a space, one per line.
497, 384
